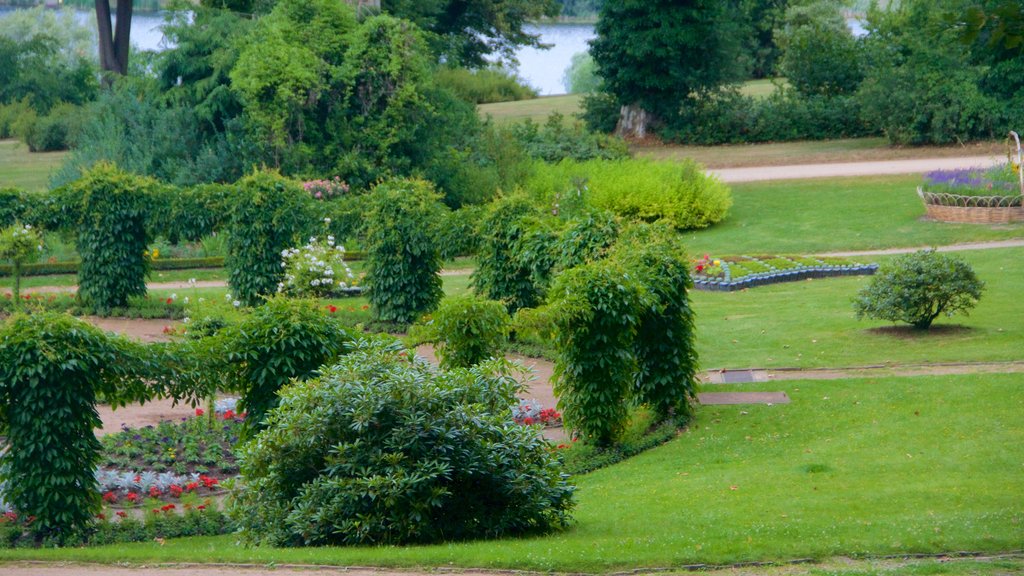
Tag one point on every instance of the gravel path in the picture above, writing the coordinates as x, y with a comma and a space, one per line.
802, 171
950, 248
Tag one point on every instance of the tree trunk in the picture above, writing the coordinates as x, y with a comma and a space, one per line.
114, 38
633, 122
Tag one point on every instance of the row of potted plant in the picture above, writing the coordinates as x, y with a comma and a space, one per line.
740, 272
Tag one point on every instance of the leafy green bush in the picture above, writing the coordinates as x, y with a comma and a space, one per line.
384, 450
469, 330
11, 113
267, 215
600, 112
110, 209
679, 193
820, 54
58, 130
918, 288
555, 141
14, 205
599, 306
402, 249
52, 367
281, 340
485, 85
502, 274
459, 232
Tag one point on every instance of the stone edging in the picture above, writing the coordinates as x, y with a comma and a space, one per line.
791, 275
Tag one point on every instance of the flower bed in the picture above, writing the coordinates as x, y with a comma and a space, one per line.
974, 195
740, 272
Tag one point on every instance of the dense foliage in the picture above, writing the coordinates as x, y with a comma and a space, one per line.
384, 450
268, 214
468, 330
918, 288
279, 341
19, 245
404, 259
52, 368
109, 210
502, 274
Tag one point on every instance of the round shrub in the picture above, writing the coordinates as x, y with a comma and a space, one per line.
469, 330
402, 249
267, 214
918, 288
384, 450
316, 269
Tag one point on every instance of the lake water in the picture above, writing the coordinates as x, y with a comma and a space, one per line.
542, 69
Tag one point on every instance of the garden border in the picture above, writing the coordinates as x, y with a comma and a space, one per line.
791, 275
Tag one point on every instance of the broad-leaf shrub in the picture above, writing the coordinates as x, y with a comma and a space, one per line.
385, 450
918, 288
469, 330
402, 249
556, 140
281, 340
502, 274
109, 210
598, 306
665, 345
52, 367
268, 213
680, 193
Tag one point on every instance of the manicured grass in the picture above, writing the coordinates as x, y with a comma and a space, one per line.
811, 152
30, 171
861, 467
812, 324
824, 215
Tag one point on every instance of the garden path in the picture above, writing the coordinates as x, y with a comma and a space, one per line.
802, 171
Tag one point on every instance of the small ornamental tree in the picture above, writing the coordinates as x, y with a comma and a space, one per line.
52, 367
267, 216
502, 273
383, 449
469, 329
402, 249
19, 244
918, 288
108, 210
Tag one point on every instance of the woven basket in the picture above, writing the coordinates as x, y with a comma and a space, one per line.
972, 209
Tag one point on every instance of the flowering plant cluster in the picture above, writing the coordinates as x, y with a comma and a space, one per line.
195, 446
316, 269
326, 189
130, 489
1001, 180
706, 266
530, 412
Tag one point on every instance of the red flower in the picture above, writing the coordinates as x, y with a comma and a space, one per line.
131, 497
101, 516
208, 481
199, 412
154, 492
528, 421
229, 414
170, 300
366, 306
201, 507
332, 308
167, 507
109, 497
175, 490
122, 514
9, 517
191, 486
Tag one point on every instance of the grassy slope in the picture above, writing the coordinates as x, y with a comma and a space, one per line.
29, 171
863, 467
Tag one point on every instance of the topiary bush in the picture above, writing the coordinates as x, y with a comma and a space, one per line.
281, 340
502, 274
52, 369
918, 288
402, 249
267, 214
469, 330
109, 210
385, 450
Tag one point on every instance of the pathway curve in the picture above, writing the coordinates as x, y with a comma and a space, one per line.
989, 245
803, 171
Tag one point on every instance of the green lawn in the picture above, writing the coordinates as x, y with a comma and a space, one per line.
823, 215
30, 171
811, 324
858, 467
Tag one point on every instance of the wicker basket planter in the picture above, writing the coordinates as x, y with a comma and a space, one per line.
972, 209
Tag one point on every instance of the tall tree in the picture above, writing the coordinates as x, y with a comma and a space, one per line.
655, 55
114, 37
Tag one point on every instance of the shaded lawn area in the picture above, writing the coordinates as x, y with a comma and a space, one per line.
851, 467
809, 216
811, 323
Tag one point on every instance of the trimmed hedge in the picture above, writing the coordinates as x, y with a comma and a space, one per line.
71, 267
